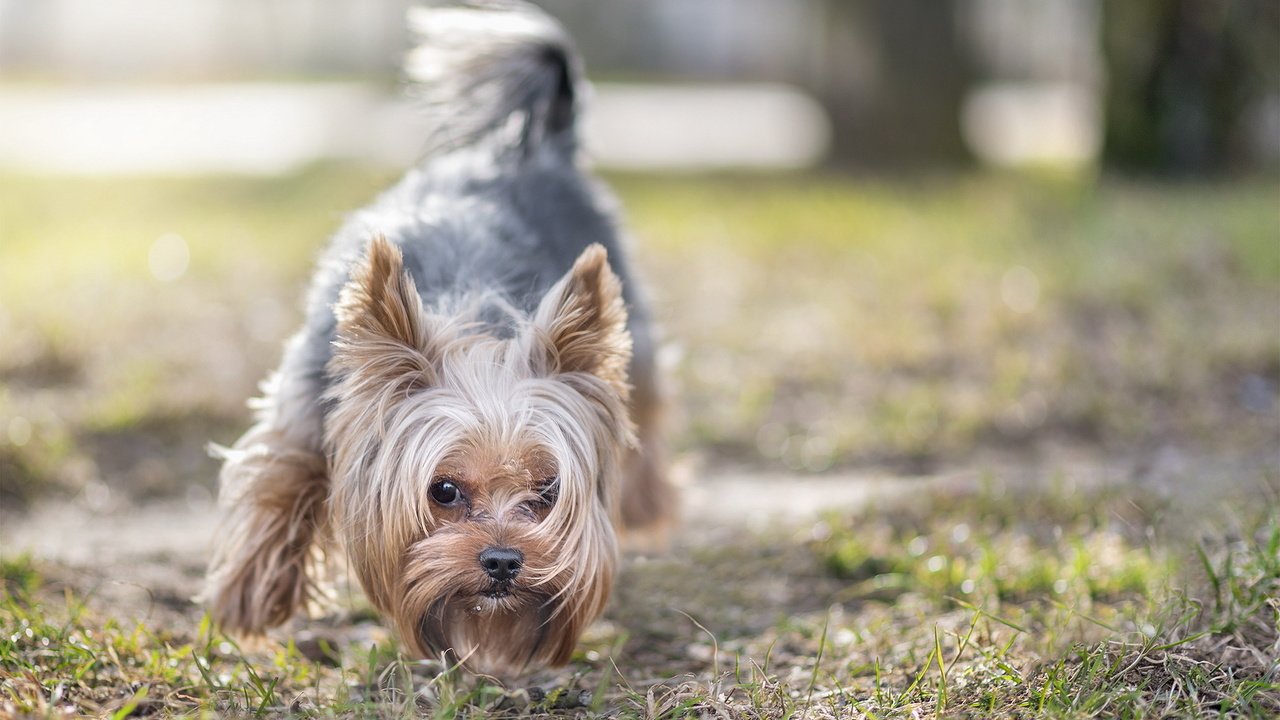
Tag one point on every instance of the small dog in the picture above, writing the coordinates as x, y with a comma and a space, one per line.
470, 412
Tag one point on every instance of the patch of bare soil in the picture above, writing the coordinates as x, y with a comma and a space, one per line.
736, 561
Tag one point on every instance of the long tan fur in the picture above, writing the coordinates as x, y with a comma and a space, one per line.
269, 553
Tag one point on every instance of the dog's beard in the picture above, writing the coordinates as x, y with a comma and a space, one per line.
492, 637
450, 610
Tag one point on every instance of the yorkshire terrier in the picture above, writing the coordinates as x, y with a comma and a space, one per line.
470, 412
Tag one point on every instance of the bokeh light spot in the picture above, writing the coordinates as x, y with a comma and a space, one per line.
169, 257
19, 431
1020, 289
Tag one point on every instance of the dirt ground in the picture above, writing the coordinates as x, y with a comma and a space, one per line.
736, 558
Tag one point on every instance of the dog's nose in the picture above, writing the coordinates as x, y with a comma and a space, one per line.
501, 563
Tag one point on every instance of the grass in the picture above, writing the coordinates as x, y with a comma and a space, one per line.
912, 324
916, 323
1012, 622
814, 324
100, 352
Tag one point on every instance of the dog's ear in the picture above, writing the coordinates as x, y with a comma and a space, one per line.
581, 324
383, 331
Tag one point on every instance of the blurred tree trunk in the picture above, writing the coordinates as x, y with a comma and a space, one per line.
1182, 78
893, 76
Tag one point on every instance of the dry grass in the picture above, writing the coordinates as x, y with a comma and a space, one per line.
815, 323
921, 324
954, 605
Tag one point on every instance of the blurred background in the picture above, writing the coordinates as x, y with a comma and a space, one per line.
1186, 86
902, 237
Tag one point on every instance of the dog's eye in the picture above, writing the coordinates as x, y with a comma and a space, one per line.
550, 490
445, 491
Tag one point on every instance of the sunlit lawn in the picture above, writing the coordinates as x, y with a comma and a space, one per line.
813, 324
998, 603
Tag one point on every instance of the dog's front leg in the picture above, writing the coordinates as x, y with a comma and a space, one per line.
274, 488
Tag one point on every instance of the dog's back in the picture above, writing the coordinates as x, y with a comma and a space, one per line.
499, 208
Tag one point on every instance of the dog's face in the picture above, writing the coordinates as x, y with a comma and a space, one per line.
475, 478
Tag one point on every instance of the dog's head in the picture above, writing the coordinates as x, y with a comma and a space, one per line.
475, 478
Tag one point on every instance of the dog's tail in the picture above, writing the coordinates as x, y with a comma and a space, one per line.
502, 69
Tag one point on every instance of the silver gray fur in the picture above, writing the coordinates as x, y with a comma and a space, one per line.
500, 206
